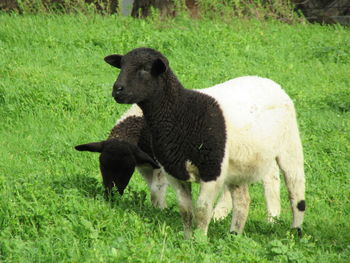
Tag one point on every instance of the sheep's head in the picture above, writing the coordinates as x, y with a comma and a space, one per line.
141, 71
117, 161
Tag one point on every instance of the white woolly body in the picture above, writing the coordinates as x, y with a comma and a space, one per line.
259, 115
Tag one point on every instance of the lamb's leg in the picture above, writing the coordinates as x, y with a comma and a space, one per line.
158, 189
224, 205
271, 183
240, 207
157, 184
184, 198
293, 170
204, 209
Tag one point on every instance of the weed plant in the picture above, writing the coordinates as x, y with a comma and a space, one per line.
55, 92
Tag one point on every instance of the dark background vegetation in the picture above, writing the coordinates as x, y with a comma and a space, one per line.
323, 11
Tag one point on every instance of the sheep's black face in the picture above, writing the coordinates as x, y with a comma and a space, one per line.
117, 167
140, 75
117, 161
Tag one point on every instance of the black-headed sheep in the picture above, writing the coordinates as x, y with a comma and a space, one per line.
232, 134
127, 147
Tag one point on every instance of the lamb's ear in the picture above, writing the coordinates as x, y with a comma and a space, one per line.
142, 158
91, 147
159, 66
114, 60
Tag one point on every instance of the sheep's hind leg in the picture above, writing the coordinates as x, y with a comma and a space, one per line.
184, 198
293, 170
240, 207
271, 183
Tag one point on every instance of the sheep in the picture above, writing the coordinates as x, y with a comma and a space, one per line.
120, 149
127, 146
128, 129
229, 135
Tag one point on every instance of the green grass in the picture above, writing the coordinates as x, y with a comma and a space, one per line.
55, 92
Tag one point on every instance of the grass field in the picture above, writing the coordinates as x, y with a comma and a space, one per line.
55, 92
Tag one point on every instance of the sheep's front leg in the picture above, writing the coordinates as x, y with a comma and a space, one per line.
223, 206
204, 208
184, 198
240, 208
158, 189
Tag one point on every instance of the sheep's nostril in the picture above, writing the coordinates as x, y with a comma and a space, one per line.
117, 88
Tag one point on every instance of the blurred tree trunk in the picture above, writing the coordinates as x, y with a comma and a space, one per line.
141, 8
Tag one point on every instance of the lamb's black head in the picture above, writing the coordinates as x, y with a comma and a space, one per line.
117, 161
141, 72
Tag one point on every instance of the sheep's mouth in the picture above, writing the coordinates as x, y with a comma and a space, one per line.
122, 99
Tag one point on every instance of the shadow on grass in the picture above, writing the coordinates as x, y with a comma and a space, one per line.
86, 186
132, 200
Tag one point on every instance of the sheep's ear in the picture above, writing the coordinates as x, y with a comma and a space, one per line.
114, 60
91, 147
158, 67
142, 158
